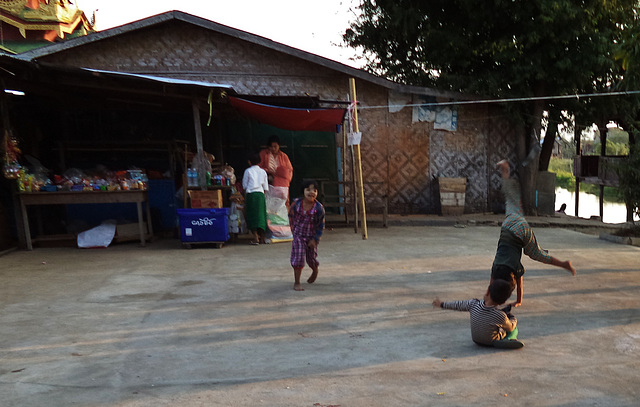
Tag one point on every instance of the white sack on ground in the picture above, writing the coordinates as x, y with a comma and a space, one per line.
100, 236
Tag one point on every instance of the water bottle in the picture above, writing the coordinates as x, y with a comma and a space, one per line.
192, 176
195, 177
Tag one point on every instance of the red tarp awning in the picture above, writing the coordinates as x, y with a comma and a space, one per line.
291, 119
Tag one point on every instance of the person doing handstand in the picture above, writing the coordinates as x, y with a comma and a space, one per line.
516, 236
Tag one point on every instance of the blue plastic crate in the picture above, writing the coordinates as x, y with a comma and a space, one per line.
204, 225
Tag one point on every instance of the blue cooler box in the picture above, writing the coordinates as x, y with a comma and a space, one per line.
204, 225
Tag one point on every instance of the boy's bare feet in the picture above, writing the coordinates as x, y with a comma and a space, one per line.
313, 276
297, 272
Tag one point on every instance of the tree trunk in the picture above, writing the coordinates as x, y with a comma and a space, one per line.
529, 155
549, 140
528, 174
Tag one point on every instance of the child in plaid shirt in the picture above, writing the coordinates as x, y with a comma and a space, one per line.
516, 236
306, 217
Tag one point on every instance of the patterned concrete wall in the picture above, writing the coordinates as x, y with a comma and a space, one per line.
406, 156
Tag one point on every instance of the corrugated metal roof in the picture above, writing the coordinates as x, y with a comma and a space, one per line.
162, 79
48, 79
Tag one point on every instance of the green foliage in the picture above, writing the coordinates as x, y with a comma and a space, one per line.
613, 148
629, 174
565, 180
561, 165
501, 48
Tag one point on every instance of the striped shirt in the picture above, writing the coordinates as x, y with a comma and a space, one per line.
488, 324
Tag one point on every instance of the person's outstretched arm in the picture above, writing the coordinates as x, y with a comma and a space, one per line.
563, 264
463, 305
519, 291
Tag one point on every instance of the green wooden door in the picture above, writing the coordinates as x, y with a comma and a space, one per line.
313, 154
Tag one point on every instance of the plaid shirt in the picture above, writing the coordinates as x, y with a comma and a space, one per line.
517, 224
307, 224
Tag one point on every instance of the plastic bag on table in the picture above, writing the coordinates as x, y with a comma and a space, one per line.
237, 223
100, 236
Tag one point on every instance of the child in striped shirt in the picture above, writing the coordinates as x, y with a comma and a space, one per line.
490, 326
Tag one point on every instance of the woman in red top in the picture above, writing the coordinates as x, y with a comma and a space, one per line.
276, 163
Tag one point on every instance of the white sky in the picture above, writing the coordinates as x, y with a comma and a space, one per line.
314, 26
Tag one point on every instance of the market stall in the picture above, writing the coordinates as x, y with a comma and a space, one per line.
78, 197
100, 123
97, 144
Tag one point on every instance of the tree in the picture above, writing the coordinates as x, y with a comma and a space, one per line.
502, 49
628, 54
629, 176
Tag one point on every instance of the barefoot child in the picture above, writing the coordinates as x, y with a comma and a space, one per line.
515, 236
254, 182
490, 326
306, 217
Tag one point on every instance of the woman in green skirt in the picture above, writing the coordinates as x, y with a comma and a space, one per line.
255, 182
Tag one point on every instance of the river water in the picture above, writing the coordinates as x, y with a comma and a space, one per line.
589, 205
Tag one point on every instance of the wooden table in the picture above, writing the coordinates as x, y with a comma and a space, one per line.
97, 197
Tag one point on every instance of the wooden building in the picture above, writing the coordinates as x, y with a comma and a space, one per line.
409, 138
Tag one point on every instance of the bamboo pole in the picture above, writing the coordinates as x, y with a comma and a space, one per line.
358, 163
202, 178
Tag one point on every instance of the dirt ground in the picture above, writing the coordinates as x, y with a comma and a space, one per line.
166, 326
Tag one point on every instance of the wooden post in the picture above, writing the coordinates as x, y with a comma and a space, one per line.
202, 178
352, 185
603, 153
185, 178
358, 163
578, 135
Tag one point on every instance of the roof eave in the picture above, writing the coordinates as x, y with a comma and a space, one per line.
243, 35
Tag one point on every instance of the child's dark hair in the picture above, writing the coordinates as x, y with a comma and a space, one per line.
502, 272
500, 291
307, 183
254, 159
